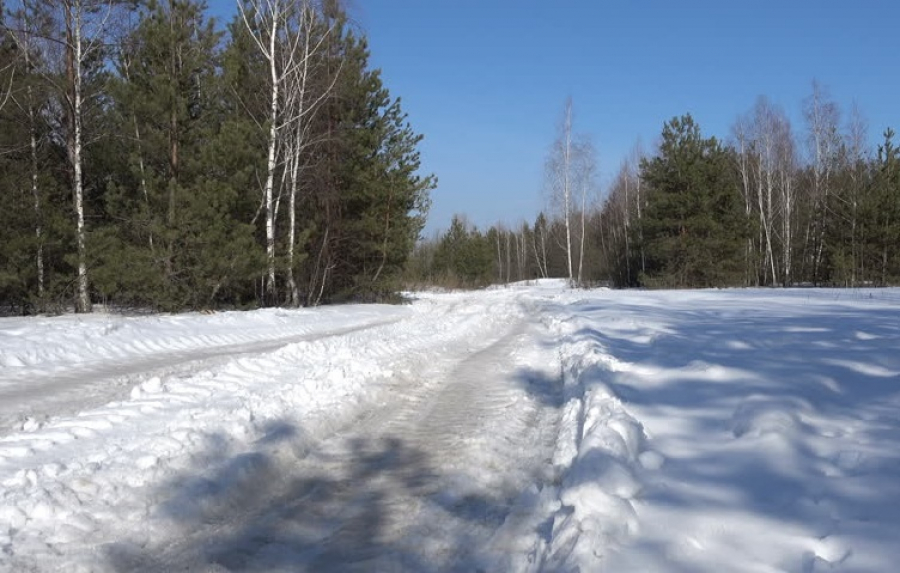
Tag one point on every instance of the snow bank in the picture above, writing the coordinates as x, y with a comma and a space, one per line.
599, 448
767, 434
31, 345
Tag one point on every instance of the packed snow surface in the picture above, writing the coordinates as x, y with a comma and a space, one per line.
528, 428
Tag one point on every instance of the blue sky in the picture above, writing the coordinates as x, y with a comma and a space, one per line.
485, 80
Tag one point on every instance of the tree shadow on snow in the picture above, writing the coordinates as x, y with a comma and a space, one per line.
290, 503
795, 405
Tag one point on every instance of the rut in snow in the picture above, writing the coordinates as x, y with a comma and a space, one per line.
89, 384
427, 482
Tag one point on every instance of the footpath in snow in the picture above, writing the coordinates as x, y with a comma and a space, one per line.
531, 428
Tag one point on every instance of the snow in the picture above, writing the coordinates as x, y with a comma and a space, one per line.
525, 428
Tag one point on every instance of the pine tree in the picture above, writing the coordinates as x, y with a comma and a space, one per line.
370, 202
35, 270
174, 241
883, 210
693, 226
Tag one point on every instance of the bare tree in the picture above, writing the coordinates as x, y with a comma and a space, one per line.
765, 120
635, 158
509, 234
266, 22
786, 169
559, 173
855, 138
300, 108
585, 177
767, 167
741, 132
539, 243
86, 26
571, 169
497, 231
522, 250
823, 144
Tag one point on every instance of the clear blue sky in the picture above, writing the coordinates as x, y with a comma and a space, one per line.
485, 80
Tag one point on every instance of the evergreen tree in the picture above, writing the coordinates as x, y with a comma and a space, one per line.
693, 225
464, 257
35, 270
17, 268
883, 215
174, 241
370, 202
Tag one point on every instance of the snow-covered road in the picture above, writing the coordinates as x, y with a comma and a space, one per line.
531, 428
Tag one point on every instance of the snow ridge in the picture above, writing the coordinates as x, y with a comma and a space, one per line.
599, 451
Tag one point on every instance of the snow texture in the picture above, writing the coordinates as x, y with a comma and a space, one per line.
527, 428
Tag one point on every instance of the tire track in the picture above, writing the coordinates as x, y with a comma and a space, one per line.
87, 386
422, 483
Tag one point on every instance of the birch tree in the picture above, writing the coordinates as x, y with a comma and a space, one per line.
823, 144
786, 170
764, 134
570, 171
585, 177
857, 158
267, 23
82, 37
85, 26
311, 34
559, 173
741, 133
539, 244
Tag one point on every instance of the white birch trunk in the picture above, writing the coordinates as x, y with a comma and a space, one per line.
508, 257
271, 160
82, 301
583, 231
292, 230
35, 190
567, 161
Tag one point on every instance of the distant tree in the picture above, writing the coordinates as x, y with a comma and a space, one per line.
767, 169
539, 243
464, 255
559, 171
823, 144
884, 214
619, 228
854, 191
570, 172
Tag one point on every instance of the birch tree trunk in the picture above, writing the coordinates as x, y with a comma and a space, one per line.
559, 176
739, 131
283, 31
263, 25
74, 58
25, 46
270, 158
35, 193
567, 189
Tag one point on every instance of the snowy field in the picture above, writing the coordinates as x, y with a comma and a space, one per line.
530, 428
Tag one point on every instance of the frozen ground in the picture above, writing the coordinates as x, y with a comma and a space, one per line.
530, 428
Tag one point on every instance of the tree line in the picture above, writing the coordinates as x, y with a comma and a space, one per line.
150, 158
770, 206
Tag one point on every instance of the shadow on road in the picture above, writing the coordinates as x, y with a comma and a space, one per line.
374, 503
